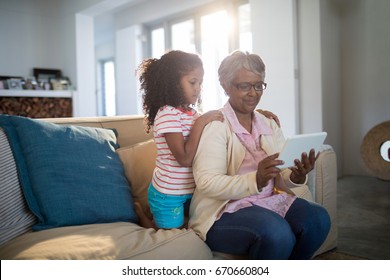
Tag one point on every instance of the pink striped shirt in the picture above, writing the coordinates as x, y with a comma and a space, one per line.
169, 176
276, 202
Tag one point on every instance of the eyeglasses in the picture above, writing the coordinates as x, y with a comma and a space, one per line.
246, 87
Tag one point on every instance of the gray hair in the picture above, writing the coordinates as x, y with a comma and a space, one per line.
234, 62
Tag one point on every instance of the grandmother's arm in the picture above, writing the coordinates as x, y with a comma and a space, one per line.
210, 166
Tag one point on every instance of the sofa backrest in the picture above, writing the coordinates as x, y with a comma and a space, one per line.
130, 129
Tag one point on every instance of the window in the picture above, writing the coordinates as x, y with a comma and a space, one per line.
213, 34
244, 27
158, 39
107, 97
183, 36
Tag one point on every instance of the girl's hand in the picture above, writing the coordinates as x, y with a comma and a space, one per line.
269, 115
214, 115
303, 167
267, 169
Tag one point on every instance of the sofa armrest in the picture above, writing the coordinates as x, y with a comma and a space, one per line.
322, 183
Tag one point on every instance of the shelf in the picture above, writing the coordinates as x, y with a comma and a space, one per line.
36, 93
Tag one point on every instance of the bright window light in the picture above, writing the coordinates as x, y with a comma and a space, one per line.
183, 36
215, 46
244, 27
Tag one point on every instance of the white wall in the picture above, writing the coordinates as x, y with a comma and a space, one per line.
39, 34
331, 76
319, 70
84, 103
128, 56
273, 39
365, 75
29, 37
310, 66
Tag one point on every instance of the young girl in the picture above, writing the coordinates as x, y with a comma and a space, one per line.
171, 87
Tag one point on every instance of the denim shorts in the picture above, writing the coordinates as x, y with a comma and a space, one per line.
168, 210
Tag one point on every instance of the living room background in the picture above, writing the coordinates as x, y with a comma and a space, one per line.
327, 61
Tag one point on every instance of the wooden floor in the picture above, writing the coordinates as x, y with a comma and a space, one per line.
364, 217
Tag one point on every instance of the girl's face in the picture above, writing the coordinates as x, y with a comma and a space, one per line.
191, 84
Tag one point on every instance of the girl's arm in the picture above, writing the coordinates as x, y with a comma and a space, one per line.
184, 151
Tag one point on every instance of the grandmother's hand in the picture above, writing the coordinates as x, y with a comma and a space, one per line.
303, 167
267, 169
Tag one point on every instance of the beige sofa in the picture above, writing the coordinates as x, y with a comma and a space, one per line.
123, 240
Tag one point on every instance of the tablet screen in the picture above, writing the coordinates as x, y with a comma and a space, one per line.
297, 144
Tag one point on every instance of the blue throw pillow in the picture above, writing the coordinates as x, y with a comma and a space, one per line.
70, 175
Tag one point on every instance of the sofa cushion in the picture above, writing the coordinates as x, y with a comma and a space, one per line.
117, 241
70, 175
139, 161
15, 217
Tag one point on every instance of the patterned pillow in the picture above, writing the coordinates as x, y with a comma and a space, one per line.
15, 217
70, 175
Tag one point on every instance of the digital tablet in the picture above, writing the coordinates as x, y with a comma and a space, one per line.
297, 144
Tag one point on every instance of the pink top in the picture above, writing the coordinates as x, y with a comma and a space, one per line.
277, 202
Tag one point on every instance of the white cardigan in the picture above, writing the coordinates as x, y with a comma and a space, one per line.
215, 166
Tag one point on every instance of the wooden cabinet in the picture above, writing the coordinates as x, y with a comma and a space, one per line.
36, 104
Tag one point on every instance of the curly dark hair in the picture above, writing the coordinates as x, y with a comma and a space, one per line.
160, 81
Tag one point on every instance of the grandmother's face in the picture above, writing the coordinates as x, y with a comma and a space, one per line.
244, 101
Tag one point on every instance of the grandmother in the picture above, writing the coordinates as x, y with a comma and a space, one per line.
243, 203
